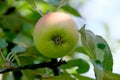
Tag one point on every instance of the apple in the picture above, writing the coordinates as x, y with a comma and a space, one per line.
55, 35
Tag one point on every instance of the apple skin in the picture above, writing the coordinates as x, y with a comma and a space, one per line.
55, 35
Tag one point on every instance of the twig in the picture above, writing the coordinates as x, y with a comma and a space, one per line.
52, 65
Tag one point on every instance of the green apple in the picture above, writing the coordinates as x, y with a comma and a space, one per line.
55, 35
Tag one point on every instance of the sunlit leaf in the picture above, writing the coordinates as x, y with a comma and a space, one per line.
88, 39
104, 50
98, 68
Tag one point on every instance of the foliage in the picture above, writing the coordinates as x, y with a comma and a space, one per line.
17, 50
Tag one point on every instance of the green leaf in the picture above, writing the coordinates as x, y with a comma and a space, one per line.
23, 40
13, 21
61, 77
28, 75
53, 2
96, 48
32, 2
18, 49
3, 43
62, 3
25, 60
1, 32
98, 68
3, 7
82, 65
111, 76
88, 39
81, 49
35, 54
8, 76
79, 77
71, 10
68, 77
104, 53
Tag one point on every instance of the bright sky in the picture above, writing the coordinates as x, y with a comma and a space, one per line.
97, 12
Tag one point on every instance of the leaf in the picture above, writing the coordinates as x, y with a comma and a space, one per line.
18, 49
96, 48
3, 7
104, 50
82, 65
25, 60
61, 77
32, 2
68, 77
81, 49
3, 43
35, 54
62, 3
71, 10
53, 2
28, 75
98, 68
23, 40
111, 76
88, 39
79, 77
8, 76
2, 35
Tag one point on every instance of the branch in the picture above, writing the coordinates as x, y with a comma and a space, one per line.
53, 64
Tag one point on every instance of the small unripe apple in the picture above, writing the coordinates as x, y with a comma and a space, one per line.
55, 35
